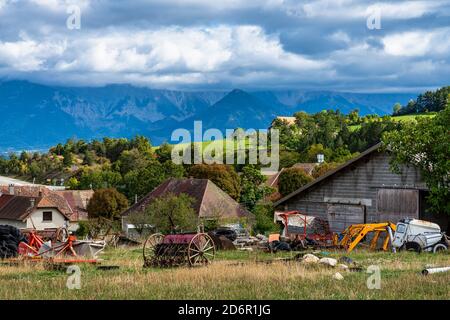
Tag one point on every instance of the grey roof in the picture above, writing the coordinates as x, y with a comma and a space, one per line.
16, 207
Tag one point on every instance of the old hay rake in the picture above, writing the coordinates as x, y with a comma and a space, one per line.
193, 249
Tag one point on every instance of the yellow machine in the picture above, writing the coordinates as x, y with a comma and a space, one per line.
357, 232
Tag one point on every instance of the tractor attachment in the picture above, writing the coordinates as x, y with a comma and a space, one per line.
356, 233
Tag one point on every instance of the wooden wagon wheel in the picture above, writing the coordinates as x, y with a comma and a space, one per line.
62, 234
150, 245
201, 250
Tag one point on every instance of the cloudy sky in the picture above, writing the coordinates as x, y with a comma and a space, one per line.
223, 44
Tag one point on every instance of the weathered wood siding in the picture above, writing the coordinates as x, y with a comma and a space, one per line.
351, 194
342, 215
393, 202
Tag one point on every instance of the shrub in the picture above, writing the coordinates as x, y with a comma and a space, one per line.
323, 168
264, 219
292, 179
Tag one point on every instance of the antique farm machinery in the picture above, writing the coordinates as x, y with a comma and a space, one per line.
356, 233
190, 249
50, 246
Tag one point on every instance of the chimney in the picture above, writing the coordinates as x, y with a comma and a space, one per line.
11, 189
32, 202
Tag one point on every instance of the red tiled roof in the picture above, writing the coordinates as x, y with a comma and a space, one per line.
77, 200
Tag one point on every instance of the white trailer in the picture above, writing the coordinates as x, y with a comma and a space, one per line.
419, 235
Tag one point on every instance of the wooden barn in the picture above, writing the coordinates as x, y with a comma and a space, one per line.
364, 190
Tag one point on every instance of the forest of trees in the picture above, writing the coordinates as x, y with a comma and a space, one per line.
430, 101
337, 136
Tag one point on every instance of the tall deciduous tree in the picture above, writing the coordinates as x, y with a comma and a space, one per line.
253, 188
224, 176
426, 145
107, 203
139, 182
171, 213
292, 179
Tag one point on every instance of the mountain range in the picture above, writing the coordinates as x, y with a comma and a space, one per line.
35, 116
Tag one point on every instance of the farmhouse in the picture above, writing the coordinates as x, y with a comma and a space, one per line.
31, 212
71, 203
210, 202
364, 190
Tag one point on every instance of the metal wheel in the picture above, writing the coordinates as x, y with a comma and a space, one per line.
201, 250
149, 247
413, 246
440, 247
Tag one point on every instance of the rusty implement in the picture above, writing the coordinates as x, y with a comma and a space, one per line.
356, 233
37, 248
172, 250
48, 234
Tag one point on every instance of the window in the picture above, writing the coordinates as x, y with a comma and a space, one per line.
47, 216
401, 228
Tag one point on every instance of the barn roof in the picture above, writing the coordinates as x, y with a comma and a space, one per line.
329, 173
209, 200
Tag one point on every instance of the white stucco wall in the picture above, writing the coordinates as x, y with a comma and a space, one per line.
36, 219
17, 224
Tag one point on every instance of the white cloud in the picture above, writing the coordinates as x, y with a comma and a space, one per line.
354, 9
29, 55
208, 54
204, 43
418, 43
340, 36
60, 5
405, 9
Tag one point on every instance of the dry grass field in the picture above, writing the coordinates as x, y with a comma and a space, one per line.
234, 275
